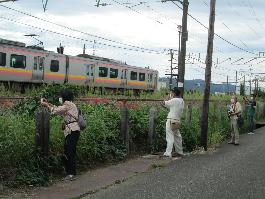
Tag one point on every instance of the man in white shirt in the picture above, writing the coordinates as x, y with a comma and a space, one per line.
176, 105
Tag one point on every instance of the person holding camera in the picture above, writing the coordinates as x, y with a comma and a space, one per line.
173, 137
68, 110
251, 107
234, 113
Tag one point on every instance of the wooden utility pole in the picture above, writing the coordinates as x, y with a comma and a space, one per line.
171, 69
184, 39
205, 108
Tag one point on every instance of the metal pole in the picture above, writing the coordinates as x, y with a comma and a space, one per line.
205, 108
250, 87
227, 86
244, 84
184, 38
236, 82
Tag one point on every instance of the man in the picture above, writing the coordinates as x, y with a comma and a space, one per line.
176, 105
234, 113
251, 107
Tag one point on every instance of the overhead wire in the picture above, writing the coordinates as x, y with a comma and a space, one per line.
75, 30
78, 38
219, 36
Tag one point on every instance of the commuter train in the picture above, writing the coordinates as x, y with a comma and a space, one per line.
33, 65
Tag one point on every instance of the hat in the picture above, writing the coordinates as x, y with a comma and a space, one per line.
176, 91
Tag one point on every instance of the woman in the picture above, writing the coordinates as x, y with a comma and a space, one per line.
69, 112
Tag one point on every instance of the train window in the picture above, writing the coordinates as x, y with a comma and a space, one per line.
151, 77
142, 77
133, 75
113, 73
2, 59
41, 66
35, 63
92, 69
18, 61
103, 72
54, 66
87, 70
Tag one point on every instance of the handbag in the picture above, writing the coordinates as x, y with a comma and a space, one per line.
174, 125
80, 120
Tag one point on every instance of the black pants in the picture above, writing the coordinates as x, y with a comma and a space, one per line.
70, 152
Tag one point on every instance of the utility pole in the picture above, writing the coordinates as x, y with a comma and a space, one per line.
171, 69
184, 39
205, 108
250, 87
244, 84
236, 82
227, 86
257, 87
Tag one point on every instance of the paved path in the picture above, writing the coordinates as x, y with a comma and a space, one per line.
92, 180
233, 172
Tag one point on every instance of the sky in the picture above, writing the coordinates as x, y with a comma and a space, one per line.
141, 33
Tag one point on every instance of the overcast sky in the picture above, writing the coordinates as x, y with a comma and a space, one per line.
150, 25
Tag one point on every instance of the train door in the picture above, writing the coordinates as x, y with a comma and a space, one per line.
90, 74
124, 78
38, 68
149, 81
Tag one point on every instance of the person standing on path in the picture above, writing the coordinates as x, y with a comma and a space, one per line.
234, 114
69, 112
173, 137
251, 107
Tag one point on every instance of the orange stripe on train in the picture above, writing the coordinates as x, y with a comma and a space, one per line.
108, 80
18, 72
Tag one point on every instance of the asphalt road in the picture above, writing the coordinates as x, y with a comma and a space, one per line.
232, 172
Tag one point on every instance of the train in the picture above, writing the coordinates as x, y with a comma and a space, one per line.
32, 65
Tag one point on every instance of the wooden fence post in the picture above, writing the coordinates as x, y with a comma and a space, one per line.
43, 130
125, 127
152, 126
190, 114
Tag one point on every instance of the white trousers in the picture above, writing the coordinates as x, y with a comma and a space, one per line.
173, 138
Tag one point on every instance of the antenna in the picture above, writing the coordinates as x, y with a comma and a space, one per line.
44, 4
84, 49
94, 47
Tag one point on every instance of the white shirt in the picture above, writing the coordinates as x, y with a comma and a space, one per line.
176, 106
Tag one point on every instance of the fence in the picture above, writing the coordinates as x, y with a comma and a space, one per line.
218, 124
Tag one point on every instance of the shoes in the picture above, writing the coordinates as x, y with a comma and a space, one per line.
230, 142
69, 177
251, 133
175, 154
236, 144
165, 155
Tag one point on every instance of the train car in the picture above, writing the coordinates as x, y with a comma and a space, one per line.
32, 65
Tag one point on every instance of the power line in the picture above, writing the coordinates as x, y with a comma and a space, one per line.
78, 38
75, 30
117, 2
219, 36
